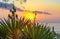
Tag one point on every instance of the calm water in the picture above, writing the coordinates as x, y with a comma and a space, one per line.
56, 26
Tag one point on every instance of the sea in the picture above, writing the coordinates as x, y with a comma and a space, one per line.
56, 28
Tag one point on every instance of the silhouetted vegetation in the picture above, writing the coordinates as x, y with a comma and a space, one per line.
14, 28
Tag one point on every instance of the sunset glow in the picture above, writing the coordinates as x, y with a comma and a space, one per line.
29, 16
50, 6
25, 19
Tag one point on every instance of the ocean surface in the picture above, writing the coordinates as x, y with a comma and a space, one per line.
56, 26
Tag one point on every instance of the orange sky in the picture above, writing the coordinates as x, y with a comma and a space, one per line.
51, 6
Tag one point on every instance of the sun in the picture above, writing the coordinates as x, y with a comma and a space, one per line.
29, 16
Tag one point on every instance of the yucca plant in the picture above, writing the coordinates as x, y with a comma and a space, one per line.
14, 28
11, 27
37, 32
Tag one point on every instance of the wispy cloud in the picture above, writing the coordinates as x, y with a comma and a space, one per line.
10, 6
41, 12
7, 6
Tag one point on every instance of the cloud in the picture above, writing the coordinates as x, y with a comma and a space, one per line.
10, 6
6, 6
41, 12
